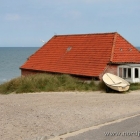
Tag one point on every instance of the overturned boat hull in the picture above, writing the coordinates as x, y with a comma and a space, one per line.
116, 83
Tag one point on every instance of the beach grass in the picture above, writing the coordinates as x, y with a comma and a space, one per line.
134, 86
47, 83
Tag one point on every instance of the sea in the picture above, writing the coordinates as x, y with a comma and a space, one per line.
11, 58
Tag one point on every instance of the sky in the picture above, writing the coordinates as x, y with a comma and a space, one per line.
24, 23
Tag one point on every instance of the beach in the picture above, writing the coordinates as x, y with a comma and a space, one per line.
27, 116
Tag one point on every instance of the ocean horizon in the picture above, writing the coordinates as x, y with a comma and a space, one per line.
11, 58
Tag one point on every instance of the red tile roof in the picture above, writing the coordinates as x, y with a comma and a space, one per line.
84, 54
125, 52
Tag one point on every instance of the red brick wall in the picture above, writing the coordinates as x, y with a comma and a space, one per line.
25, 72
110, 69
28, 72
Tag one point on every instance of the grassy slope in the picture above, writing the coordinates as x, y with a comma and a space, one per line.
47, 82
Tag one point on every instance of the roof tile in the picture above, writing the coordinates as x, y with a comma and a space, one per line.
85, 54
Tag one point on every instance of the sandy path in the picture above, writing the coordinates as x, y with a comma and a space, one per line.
26, 116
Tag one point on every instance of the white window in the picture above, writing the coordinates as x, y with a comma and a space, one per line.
129, 72
125, 72
136, 73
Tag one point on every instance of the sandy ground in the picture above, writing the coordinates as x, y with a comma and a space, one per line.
26, 116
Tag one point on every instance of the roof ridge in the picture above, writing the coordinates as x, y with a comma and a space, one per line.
113, 46
85, 34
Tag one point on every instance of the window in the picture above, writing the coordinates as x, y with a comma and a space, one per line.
129, 72
124, 73
136, 73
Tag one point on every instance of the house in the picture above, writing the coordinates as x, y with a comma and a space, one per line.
87, 55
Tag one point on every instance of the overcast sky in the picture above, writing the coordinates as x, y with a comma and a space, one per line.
24, 22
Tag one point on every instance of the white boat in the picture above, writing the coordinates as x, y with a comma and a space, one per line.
115, 82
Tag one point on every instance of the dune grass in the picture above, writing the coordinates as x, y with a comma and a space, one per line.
55, 83
47, 83
134, 86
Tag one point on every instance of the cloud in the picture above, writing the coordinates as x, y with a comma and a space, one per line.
12, 17
73, 14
